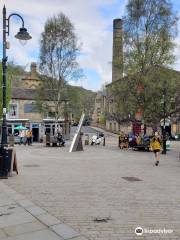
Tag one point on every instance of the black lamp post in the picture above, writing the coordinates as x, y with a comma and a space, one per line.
22, 35
66, 118
164, 116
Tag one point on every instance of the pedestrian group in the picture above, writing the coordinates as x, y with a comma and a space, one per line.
25, 137
155, 143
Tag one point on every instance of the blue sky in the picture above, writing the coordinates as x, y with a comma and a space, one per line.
93, 25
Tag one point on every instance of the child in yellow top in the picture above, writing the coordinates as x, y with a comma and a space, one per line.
156, 146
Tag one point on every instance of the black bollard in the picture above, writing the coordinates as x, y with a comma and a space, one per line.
104, 141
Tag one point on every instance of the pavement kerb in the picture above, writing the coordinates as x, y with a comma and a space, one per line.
64, 231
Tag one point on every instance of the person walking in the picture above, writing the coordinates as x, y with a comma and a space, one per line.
28, 137
25, 137
156, 147
21, 136
31, 137
120, 140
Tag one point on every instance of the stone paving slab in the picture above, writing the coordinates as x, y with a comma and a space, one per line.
35, 210
15, 230
25, 203
80, 187
14, 216
38, 235
48, 219
16, 196
79, 238
2, 234
21, 219
64, 231
5, 200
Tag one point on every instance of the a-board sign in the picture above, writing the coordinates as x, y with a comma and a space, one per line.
12, 156
77, 136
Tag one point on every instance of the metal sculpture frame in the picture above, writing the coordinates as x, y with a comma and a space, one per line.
76, 144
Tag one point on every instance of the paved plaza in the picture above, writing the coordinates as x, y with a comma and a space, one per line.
86, 195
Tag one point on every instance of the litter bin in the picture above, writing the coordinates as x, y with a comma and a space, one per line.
4, 162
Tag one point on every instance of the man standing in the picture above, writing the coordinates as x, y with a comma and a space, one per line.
28, 137
31, 136
21, 135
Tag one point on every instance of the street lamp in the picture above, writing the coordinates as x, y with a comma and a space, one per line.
66, 118
22, 35
164, 116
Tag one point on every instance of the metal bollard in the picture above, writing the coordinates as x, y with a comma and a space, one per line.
104, 141
86, 142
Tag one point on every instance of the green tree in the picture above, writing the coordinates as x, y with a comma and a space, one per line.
58, 65
149, 30
12, 71
149, 98
102, 119
81, 100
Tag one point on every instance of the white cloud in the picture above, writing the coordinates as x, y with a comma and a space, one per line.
91, 28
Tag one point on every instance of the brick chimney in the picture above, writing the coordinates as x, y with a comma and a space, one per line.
33, 69
117, 58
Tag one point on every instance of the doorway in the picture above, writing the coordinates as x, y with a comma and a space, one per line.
35, 132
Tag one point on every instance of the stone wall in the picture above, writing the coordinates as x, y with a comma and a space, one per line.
32, 116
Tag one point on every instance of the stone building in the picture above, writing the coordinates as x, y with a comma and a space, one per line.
175, 118
23, 108
99, 106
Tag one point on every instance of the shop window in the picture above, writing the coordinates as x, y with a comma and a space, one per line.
13, 111
30, 108
51, 114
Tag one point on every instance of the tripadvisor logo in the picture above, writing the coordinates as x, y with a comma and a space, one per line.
139, 231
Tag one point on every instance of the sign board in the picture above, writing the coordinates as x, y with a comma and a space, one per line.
12, 156
35, 125
77, 137
167, 122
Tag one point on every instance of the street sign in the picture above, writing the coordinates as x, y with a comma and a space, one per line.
167, 122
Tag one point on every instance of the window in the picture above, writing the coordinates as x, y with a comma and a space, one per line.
30, 108
51, 114
9, 127
98, 100
13, 110
98, 110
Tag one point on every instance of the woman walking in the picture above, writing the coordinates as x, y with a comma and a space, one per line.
156, 147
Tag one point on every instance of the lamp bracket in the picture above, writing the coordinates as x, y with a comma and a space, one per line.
8, 20
4, 60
